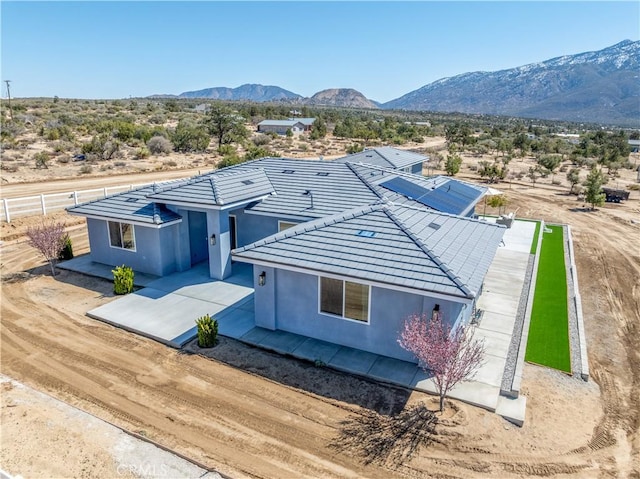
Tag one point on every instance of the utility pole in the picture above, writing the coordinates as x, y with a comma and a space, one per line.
9, 98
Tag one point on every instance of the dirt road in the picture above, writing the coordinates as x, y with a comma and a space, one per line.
248, 413
15, 190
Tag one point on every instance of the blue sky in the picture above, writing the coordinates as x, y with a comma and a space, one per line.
382, 49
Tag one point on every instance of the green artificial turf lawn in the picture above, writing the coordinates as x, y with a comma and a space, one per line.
548, 342
534, 245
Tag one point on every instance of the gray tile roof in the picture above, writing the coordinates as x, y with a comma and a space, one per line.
410, 247
130, 206
334, 187
279, 122
305, 121
221, 188
385, 156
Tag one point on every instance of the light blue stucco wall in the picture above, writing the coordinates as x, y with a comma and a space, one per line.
289, 302
154, 253
253, 227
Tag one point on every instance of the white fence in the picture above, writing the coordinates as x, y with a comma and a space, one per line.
43, 204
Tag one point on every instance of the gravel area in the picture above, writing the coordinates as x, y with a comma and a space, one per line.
574, 337
514, 346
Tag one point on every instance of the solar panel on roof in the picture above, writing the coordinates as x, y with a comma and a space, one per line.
405, 187
451, 197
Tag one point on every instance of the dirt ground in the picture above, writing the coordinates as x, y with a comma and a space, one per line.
250, 413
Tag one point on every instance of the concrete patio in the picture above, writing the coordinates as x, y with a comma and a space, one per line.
166, 309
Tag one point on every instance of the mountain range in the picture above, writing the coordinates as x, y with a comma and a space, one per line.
592, 87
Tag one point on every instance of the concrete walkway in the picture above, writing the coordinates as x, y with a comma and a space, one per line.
166, 310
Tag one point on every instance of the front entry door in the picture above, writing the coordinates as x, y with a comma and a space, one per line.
198, 237
233, 234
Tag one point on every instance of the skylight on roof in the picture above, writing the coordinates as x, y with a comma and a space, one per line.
434, 225
366, 233
289, 172
322, 173
247, 182
132, 200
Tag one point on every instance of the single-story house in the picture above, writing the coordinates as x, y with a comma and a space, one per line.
634, 145
296, 125
307, 122
389, 157
341, 252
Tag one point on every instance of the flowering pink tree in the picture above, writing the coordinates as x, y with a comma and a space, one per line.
451, 356
48, 238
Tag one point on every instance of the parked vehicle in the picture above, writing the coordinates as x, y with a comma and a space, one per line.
615, 196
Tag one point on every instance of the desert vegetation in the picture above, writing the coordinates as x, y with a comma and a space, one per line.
54, 138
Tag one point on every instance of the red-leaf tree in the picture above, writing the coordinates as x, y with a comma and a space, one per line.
451, 356
48, 238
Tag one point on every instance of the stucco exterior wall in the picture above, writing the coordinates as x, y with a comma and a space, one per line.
289, 302
154, 248
251, 227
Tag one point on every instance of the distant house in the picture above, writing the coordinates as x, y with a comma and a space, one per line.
296, 125
202, 108
389, 157
634, 145
341, 251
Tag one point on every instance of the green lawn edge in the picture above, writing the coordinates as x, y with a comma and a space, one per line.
534, 244
548, 342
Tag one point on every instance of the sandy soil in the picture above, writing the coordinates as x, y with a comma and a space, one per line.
249, 413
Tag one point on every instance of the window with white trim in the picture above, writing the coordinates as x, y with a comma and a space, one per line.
121, 235
345, 299
285, 225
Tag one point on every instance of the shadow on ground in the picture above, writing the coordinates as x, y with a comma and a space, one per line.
384, 439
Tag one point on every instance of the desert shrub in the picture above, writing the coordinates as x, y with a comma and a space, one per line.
159, 145
42, 159
86, 169
64, 159
634, 187
229, 160
171, 163
555, 182
119, 164
60, 147
188, 137
207, 331
257, 152
227, 150
142, 153
261, 140
354, 148
122, 279
67, 248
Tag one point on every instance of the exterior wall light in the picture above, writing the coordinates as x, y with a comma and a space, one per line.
213, 239
262, 278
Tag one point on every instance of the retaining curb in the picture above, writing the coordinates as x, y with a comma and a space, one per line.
584, 362
517, 378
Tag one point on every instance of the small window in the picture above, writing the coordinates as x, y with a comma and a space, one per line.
345, 299
285, 225
121, 235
